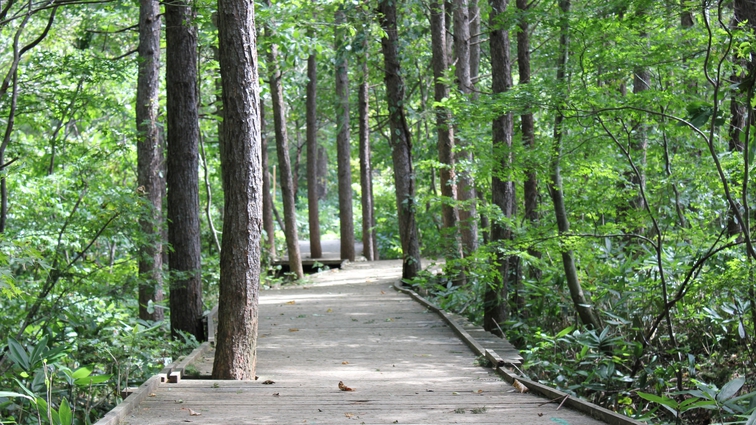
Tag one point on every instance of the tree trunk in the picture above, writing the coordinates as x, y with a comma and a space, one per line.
343, 147
444, 132
401, 145
495, 308
183, 167
473, 12
466, 185
313, 213
150, 160
582, 302
284, 163
369, 246
322, 173
527, 127
267, 196
236, 344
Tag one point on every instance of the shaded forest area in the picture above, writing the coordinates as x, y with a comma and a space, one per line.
583, 168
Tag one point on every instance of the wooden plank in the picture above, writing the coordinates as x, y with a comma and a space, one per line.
126, 407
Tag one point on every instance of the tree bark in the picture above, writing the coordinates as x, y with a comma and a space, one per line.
527, 128
495, 308
444, 132
369, 246
582, 302
313, 213
284, 163
401, 145
267, 196
343, 146
150, 160
183, 166
466, 185
241, 162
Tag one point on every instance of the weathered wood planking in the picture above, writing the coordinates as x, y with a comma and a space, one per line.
403, 361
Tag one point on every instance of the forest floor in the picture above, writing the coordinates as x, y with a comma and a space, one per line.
398, 362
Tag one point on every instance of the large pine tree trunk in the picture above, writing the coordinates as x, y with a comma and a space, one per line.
183, 172
581, 301
466, 186
343, 146
369, 246
313, 212
267, 196
495, 308
401, 145
241, 164
284, 163
444, 132
149, 160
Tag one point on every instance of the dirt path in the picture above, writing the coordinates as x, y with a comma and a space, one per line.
403, 362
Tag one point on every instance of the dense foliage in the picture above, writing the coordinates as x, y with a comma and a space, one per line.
650, 178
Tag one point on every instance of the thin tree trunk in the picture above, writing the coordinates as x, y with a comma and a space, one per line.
582, 302
495, 308
284, 163
466, 185
401, 145
267, 196
149, 160
444, 132
183, 170
236, 344
343, 146
313, 213
369, 247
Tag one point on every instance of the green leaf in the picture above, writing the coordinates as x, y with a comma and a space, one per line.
17, 354
81, 372
730, 389
565, 331
751, 419
92, 380
12, 394
664, 401
64, 413
36, 354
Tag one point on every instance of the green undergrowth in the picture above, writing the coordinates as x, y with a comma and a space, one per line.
701, 371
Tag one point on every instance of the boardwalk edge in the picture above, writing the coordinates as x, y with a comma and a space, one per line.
173, 371
499, 364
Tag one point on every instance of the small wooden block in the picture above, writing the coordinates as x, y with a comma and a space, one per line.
174, 377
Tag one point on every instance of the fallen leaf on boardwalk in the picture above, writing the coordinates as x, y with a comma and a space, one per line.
153, 395
276, 394
478, 392
349, 415
383, 293
343, 387
179, 401
330, 310
291, 302
521, 388
193, 413
540, 414
268, 382
293, 330
345, 362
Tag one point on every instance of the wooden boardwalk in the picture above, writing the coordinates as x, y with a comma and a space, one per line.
404, 363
